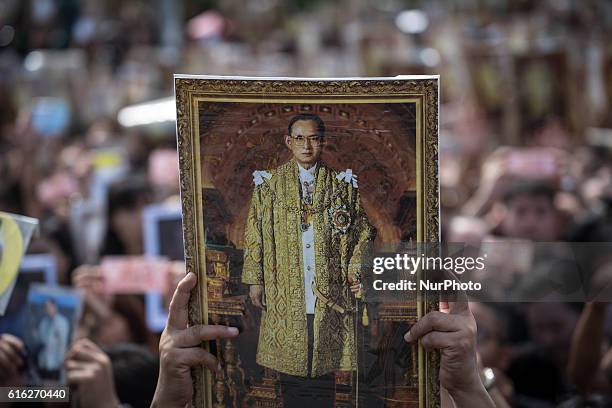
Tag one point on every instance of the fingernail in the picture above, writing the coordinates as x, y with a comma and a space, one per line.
232, 330
407, 337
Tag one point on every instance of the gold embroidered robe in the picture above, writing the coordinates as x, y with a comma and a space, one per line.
273, 258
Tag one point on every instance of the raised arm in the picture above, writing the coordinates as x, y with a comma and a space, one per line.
453, 332
585, 353
180, 350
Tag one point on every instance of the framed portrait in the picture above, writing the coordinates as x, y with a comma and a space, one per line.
288, 187
53, 313
163, 232
543, 92
489, 73
34, 268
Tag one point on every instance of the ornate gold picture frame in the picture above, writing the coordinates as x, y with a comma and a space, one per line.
379, 156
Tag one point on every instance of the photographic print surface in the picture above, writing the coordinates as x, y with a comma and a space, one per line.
52, 315
288, 187
38, 268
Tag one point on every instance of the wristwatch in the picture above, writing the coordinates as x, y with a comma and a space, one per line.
488, 378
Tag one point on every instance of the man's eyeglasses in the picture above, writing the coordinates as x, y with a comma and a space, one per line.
313, 140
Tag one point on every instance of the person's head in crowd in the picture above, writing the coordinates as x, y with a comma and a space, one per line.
538, 381
126, 199
55, 191
101, 133
163, 172
120, 375
530, 211
135, 370
138, 146
551, 325
549, 292
538, 367
51, 243
551, 132
76, 160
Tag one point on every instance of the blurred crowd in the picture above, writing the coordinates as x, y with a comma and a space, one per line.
525, 152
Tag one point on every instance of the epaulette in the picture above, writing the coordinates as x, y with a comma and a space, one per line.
260, 175
348, 177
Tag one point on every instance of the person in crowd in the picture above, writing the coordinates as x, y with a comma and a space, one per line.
124, 374
565, 180
90, 375
516, 193
109, 319
126, 199
135, 370
537, 368
529, 212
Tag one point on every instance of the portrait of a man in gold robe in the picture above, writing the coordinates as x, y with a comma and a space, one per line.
305, 237
297, 198
289, 190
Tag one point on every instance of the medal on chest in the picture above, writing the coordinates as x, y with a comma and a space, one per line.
340, 218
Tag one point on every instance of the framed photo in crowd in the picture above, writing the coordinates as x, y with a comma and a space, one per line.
53, 313
288, 187
34, 268
163, 236
543, 93
489, 77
